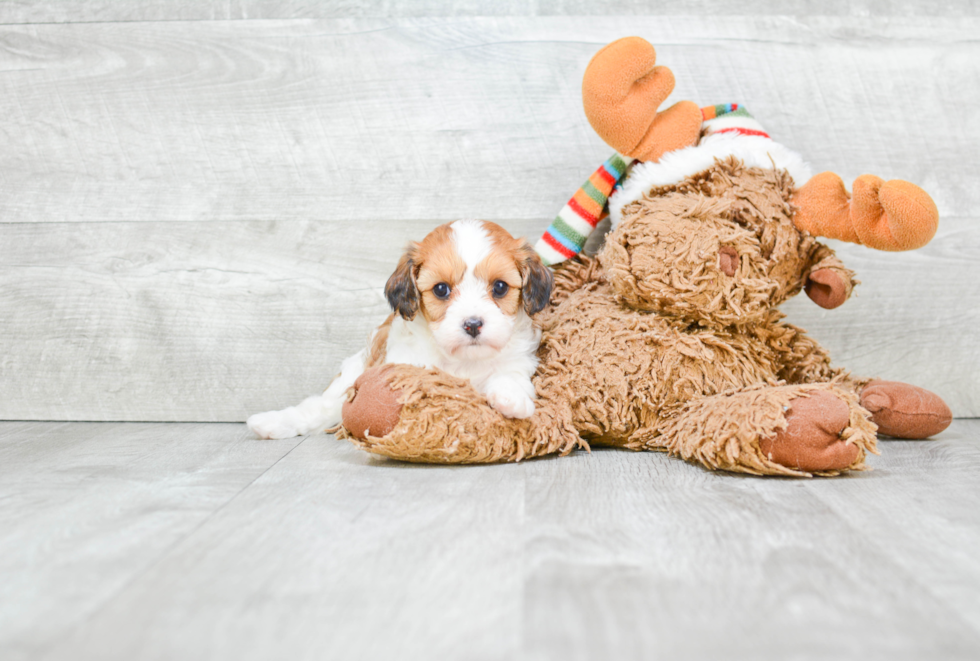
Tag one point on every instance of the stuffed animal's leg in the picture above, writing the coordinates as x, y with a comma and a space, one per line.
899, 409
425, 415
798, 357
774, 430
313, 413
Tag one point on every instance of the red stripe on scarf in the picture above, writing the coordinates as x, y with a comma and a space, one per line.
585, 215
608, 178
562, 250
745, 132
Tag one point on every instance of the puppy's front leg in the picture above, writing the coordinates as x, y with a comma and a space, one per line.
313, 413
511, 394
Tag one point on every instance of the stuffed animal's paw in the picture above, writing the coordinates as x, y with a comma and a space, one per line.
812, 440
374, 407
905, 411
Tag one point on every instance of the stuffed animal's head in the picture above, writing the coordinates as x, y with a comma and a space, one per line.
719, 250
716, 223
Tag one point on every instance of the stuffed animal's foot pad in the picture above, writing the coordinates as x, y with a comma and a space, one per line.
812, 441
374, 409
902, 410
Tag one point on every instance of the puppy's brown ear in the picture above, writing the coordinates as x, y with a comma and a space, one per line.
401, 291
536, 288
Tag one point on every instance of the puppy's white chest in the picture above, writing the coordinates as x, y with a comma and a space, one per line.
412, 343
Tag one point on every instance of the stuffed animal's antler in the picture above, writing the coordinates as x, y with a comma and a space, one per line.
893, 215
622, 90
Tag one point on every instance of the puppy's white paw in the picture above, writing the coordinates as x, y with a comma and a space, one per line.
512, 404
272, 424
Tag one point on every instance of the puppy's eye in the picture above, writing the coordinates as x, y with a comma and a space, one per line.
500, 288
441, 290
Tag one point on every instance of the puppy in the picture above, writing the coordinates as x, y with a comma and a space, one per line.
463, 300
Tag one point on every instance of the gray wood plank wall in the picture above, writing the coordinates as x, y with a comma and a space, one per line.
73, 11
197, 216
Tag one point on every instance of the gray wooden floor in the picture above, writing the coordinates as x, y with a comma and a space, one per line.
194, 541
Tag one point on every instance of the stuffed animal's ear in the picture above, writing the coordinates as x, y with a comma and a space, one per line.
401, 291
536, 288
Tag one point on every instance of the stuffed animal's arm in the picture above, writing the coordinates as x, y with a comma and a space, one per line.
798, 357
428, 416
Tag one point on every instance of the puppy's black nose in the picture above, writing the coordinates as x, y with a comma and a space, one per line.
472, 326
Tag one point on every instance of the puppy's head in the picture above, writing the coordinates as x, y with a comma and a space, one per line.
472, 281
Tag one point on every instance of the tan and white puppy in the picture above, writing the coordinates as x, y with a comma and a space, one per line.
463, 300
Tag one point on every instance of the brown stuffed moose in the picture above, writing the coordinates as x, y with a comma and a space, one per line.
670, 339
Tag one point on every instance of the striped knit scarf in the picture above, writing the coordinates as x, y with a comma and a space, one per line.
566, 236
729, 118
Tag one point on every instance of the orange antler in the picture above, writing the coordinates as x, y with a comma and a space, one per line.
893, 215
622, 89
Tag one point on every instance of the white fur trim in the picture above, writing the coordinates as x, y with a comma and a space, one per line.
719, 124
675, 166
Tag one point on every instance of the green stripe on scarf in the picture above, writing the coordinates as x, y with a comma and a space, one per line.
597, 196
568, 232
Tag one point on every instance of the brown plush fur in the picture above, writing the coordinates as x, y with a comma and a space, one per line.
445, 421
654, 347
